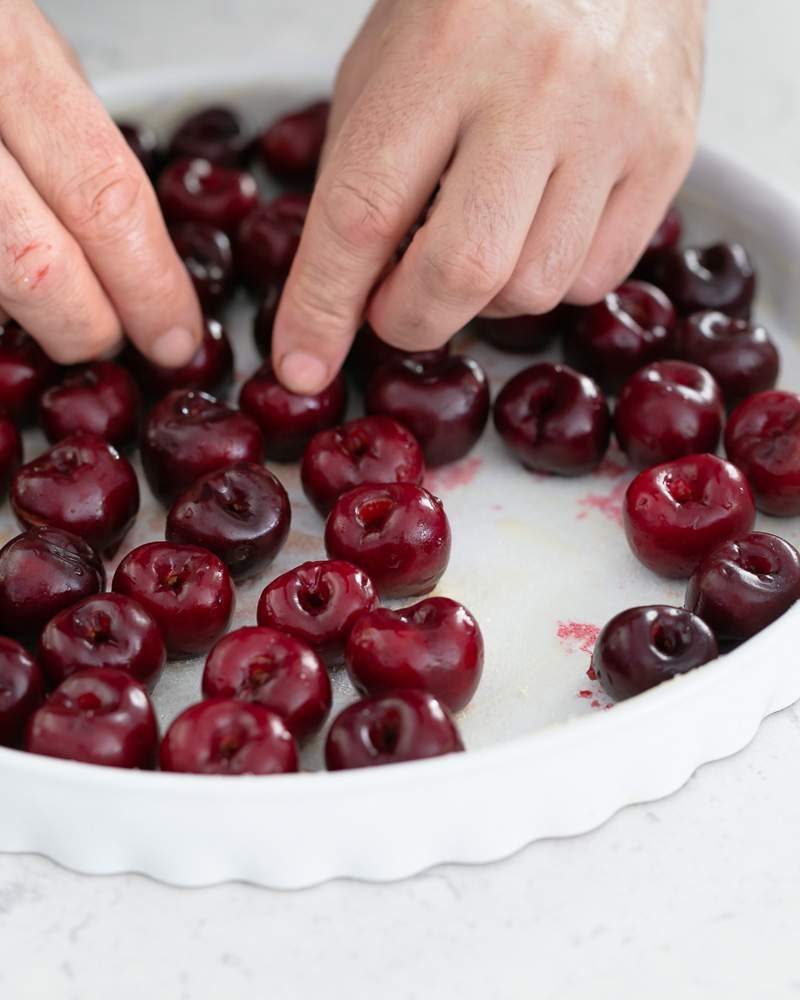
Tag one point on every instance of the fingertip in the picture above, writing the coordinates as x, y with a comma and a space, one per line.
303, 373
173, 348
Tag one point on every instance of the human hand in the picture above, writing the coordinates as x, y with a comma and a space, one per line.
84, 253
559, 131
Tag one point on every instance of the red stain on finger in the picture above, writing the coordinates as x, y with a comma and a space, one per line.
19, 252
40, 275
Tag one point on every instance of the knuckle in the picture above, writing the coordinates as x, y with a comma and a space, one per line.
364, 207
472, 273
101, 204
319, 311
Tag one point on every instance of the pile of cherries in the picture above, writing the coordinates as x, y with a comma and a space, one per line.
77, 661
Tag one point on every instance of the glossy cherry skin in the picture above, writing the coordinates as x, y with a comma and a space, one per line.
214, 134
739, 354
398, 533
108, 630
209, 370
390, 729
207, 256
554, 420
83, 485
520, 334
100, 398
21, 690
144, 144
10, 452
367, 450
667, 410
241, 514
718, 277
434, 646
98, 716
200, 191
264, 319
667, 236
762, 438
676, 513
318, 603
186, 589
272, 669
228, 736
288, 421
43, 571
641, 647
744, 584
291, 146
190, 434
370, 353
25, 371
445, 405
267, 240
630, 328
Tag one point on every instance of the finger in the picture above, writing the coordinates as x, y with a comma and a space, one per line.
46, 283
468, 248
384, 164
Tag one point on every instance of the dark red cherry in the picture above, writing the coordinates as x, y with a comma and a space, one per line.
21, 690
186, 589
100, 398
739, 354
143, 143
10, 452
718, 277
214, 134
264, 319
200, 191
207, 256
82, 485
272, 669
100, 716
666, 410
288, 421
42, 571
392, 728
190, 434
228, 736
267, 240
209, 370
642, 647
520, 334
291, 146
676, 513
318, 603
241, 514
370, 353
25, 372
762, 438
667, 236
108, 630
554, 420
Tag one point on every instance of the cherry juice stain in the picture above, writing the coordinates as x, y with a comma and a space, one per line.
608, 504
453, 477
580, 637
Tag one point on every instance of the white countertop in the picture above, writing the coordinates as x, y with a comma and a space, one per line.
694, 896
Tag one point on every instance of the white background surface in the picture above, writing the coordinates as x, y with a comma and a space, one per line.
694, 896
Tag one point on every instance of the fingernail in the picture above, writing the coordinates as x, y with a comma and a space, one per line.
173, 348
303, 373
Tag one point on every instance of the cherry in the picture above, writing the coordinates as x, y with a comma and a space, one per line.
435, 646
25, 371
744, 584
100, 398
21, 690
214, 134
190, 434
675, 513
398, 533
762, 438
201, 191
83, 485
207, 256
369, 450
186, 589
291, 146
642, 647
318, 603
739, 354
666, 237
629, 328
267, 240
42, 571
718, 277
108, 630
288, 421
264, 319
520, 334
241, 514
271, 669
10, 451
98, 716
370, 353
444, 404
392, 728
210, 368
143, 143
667, 410
554, 420
228, 736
